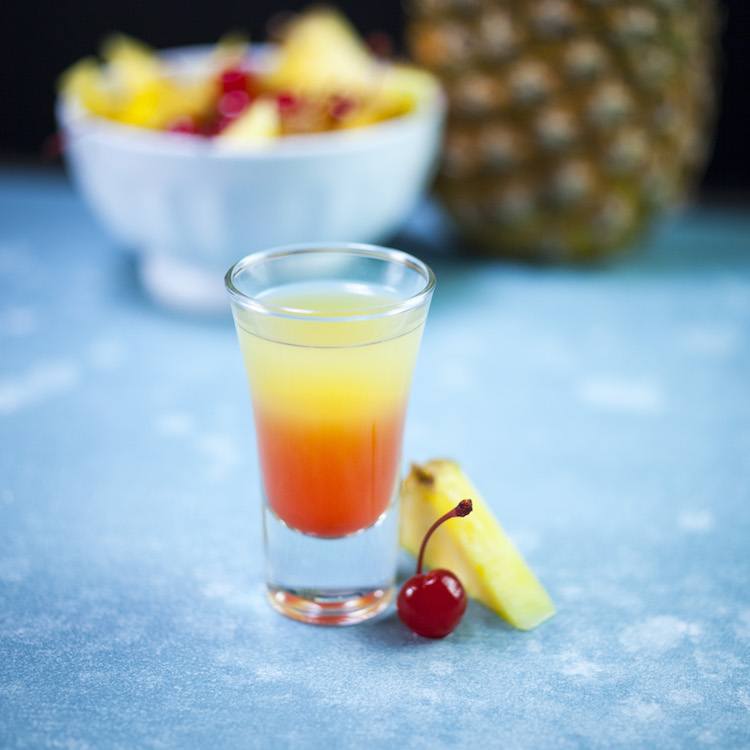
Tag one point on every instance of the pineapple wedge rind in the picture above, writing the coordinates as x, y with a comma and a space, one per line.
477, 550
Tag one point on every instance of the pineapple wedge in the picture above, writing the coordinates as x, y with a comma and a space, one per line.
477, 550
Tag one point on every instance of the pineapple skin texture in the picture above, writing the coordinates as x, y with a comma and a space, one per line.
573, 124
475, 547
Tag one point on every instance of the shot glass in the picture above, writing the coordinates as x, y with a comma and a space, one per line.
329, 334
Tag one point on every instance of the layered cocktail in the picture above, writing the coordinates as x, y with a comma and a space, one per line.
330, 335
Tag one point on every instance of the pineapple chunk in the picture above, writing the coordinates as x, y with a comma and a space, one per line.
322, 54
134, 87
412, 85
161, 101
230, 50
477, 550
257, 126
84, 82
148, 98
148, 106
132, 65
400, 89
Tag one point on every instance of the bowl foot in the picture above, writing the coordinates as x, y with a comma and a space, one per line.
183, 287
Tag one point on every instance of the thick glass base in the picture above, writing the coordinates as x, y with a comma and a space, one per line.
326, 581
346, 608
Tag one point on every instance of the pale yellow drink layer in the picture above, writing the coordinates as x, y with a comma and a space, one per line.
324, 365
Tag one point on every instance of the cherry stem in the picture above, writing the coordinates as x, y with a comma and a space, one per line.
462, 509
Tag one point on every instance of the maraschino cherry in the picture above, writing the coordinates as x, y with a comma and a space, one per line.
433, 603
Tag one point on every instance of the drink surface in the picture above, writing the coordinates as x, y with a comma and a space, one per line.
329, 389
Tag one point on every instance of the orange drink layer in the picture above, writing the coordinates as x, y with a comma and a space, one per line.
330, 389
330, 479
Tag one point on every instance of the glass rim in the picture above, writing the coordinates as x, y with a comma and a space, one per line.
360, 249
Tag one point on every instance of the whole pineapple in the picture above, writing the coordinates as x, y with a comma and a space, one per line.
571, 122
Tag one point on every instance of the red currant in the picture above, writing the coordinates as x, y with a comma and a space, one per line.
184, 124
286, 102
215, 125
340, 106
233, 103
432, 604
234, 79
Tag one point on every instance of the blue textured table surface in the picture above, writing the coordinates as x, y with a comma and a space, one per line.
605, 415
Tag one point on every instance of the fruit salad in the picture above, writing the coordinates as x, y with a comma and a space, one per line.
320, 77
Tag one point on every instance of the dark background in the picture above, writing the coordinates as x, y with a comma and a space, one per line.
39, 38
